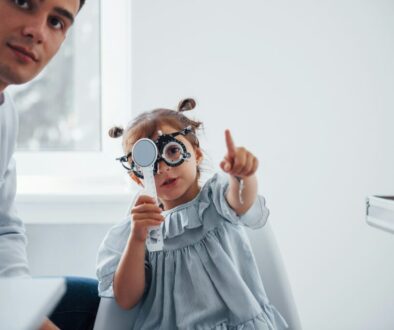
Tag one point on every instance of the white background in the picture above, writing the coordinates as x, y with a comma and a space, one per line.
308, 87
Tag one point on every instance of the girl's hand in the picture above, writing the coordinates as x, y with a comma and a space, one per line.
145, 213
238, 162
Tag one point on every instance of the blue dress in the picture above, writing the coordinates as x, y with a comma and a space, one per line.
206, 276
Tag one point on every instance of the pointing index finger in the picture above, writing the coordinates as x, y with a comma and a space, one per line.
230, 143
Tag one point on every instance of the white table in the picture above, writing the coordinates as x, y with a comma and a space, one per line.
24, 303
380, 212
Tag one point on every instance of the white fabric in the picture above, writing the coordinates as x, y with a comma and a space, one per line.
13, 258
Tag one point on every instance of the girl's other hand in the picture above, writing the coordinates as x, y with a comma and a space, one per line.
145, 213
238, 161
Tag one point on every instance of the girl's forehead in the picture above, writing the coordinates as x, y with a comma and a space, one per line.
165, 129
168, 129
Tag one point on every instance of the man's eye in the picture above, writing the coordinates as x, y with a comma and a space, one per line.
56, 23
24, 4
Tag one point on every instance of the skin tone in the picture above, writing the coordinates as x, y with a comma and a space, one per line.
31, 32
129, 278
241, 163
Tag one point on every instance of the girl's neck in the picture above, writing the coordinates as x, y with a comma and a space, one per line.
189, 195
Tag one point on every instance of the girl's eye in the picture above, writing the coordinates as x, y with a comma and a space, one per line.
173, 153
24, 4
174, 150
56, 23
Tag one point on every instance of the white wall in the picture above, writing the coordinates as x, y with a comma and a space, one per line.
307, 86
64, 249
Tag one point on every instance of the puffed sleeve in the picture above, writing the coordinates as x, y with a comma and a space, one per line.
255, 217
109, 254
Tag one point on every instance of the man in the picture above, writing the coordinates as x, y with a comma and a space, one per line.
31, 32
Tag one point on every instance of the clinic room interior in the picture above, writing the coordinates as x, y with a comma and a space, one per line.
307, 87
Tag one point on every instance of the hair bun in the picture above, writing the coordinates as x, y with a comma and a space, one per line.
115, 132
186, 105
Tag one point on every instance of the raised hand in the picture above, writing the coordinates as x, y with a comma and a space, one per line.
238, 161
146, 213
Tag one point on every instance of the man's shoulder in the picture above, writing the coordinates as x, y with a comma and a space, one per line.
8, 114
8, 133
6, 103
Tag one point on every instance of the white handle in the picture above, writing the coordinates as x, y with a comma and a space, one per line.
149, 182
154, 241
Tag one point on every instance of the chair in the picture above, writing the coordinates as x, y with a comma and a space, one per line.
272, 270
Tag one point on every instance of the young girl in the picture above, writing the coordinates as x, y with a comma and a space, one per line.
205, 277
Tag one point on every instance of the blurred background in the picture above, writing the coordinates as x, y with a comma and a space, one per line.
307, 86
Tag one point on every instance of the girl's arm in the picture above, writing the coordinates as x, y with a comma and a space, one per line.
240, 164
129, 279
249, 194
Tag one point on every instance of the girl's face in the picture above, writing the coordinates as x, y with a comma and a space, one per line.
178, 185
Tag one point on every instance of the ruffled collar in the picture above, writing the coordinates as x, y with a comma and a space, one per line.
188, 215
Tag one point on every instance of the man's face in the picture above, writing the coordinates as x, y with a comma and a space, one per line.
31, 32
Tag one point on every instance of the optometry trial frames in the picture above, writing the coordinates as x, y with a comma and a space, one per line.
170, 150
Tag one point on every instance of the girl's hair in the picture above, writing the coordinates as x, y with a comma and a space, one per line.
147, 124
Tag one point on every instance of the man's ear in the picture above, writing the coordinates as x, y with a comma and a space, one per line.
136, 179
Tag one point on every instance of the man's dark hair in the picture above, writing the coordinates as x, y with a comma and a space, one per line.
81, 3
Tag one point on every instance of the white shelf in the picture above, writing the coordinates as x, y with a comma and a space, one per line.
380, 212
73, 200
